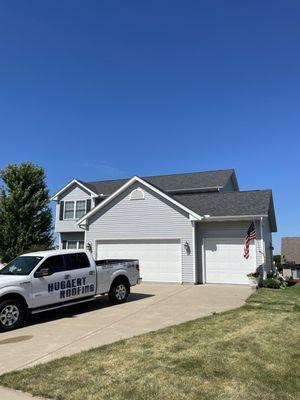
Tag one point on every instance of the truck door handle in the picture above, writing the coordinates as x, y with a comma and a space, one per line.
67, 276
92, 273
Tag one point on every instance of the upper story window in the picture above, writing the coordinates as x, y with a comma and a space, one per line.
69, 210
74, 209
80, 209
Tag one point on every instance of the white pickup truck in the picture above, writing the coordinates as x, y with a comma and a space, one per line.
41, 281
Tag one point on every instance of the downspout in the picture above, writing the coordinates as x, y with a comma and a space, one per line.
195, 252
262, 247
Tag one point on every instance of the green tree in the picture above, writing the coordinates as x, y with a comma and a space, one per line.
25, 216
277, 260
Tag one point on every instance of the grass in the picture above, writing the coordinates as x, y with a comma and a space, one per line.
248, 353
288, 297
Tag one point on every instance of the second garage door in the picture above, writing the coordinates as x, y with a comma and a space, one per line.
160, 260
224, 261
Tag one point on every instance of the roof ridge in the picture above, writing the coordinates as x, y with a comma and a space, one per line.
158, 176
110, 180
191, 173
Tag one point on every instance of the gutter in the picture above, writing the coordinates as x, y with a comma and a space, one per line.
208, 218
196, 190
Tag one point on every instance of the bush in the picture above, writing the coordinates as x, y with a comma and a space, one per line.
274, 283
253, 274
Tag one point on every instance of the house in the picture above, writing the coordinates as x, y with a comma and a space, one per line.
186, 228
290, 256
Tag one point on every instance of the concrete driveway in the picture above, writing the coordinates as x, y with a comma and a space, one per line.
150, 307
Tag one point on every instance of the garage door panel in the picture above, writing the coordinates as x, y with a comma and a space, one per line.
160, 260
224, 261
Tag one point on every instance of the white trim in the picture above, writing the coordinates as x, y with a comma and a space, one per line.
256, 246
203, 262
73, 241
263, 247
59, 241
194, 251
74, 210
85, 207
69, 219
96, 241
221, 238
74, 181
128, 184
232, 217
140, 238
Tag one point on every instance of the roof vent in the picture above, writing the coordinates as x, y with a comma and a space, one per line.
137, 194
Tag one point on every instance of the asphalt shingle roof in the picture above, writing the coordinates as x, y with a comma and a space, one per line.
170, 182
217, 204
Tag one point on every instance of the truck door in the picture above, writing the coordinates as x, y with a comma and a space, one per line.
81, 276
47, 289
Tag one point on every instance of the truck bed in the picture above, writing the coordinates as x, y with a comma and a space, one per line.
115, 261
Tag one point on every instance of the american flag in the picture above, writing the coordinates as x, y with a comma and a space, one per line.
251, 234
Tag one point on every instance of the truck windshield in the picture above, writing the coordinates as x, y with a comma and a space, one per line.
21, 265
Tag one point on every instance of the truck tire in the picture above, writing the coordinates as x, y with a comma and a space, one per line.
119, 291
12, 314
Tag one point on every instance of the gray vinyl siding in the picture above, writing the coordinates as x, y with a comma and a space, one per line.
229, 229
152, 217
73, 193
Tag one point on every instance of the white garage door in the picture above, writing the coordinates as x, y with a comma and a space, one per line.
160, 260
224, 261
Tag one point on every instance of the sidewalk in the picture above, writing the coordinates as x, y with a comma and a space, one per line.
9, 394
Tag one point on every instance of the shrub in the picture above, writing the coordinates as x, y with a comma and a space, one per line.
253, 274
274, 283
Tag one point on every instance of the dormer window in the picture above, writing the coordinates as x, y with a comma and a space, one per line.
69, 210
80, 209
75, 209
137, 194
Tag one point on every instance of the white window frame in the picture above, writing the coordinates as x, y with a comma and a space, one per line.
74, 210
77, 201
68, 219
77, 244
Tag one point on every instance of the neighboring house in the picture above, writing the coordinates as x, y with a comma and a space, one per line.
290, 256
183, 227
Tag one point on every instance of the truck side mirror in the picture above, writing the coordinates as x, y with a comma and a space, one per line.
42, 272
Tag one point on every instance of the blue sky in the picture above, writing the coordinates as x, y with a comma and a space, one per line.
110, 89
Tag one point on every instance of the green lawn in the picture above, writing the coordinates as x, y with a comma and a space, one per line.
249, 353
291, 296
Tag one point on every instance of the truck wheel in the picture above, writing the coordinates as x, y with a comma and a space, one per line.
12, 314
119, 292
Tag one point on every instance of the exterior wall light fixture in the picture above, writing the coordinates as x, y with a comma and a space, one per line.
187, 248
